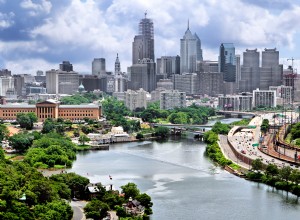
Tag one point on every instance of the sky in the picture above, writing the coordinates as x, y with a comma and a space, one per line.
40, 34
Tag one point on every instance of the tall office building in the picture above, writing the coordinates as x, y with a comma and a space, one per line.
190, 52
270, 72
249, 71
142, 75
62, 82
168, 65
98, 67
66, 66
227, 62
143, 44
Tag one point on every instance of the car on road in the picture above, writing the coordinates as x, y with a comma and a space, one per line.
243, 151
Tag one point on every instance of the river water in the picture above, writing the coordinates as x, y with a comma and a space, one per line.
183, 183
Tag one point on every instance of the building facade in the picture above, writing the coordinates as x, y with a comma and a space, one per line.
211, 83
168, 65
227, 62
136, 99
190, 52
170, 99
61, 82
98, 67
264, 98
187, 82
249, 71
142, 75
235, 103
51, 109
143, 44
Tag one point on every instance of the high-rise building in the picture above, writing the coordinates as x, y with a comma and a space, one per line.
66, 66
62, 82
6, 85
5, 72
270, 71
249, 71
143, 44
211, 83
227, 62
168, 65
190, 52
187, 82
208, 66
142, 75
98, 67
238, 68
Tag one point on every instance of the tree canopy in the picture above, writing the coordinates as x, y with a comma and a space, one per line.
26, 120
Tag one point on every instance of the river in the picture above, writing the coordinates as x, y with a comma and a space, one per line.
183, 183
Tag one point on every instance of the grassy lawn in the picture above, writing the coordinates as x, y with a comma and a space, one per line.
83, 147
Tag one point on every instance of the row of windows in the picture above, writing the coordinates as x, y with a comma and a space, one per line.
20, 111
62, 111
75, 114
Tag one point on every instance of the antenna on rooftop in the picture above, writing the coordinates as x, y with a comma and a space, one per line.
146, 14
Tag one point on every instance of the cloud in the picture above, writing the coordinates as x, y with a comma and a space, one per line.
35, 8
52, 31
6, 20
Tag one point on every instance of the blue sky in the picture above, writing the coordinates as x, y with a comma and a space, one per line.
39, 34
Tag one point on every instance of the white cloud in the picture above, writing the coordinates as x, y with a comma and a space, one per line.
35, 9
103, 32
6, 20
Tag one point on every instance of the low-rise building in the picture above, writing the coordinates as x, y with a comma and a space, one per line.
51, 109
264, 98
170, 99
136, 99
235, 103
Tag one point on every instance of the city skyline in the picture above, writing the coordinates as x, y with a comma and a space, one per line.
40, 34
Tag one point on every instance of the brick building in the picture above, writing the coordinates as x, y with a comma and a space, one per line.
51, 109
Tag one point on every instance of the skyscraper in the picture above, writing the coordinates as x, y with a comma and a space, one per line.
190, 52
66, 66
270, 71
142, 75
143, 44
98, 66
249, 71
227, 62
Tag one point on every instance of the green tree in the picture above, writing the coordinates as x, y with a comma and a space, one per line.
48, 126
285, 173
265, 126
75, 182
130, 190
145, 201
96, 209
3, 132
162, 132
26, 120
257, 164
210, 137
139, 136
220, 128
272, 170
21, 141
295, 176
83, 138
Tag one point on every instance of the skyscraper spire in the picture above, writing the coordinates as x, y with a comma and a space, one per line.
188, 26
146, 14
